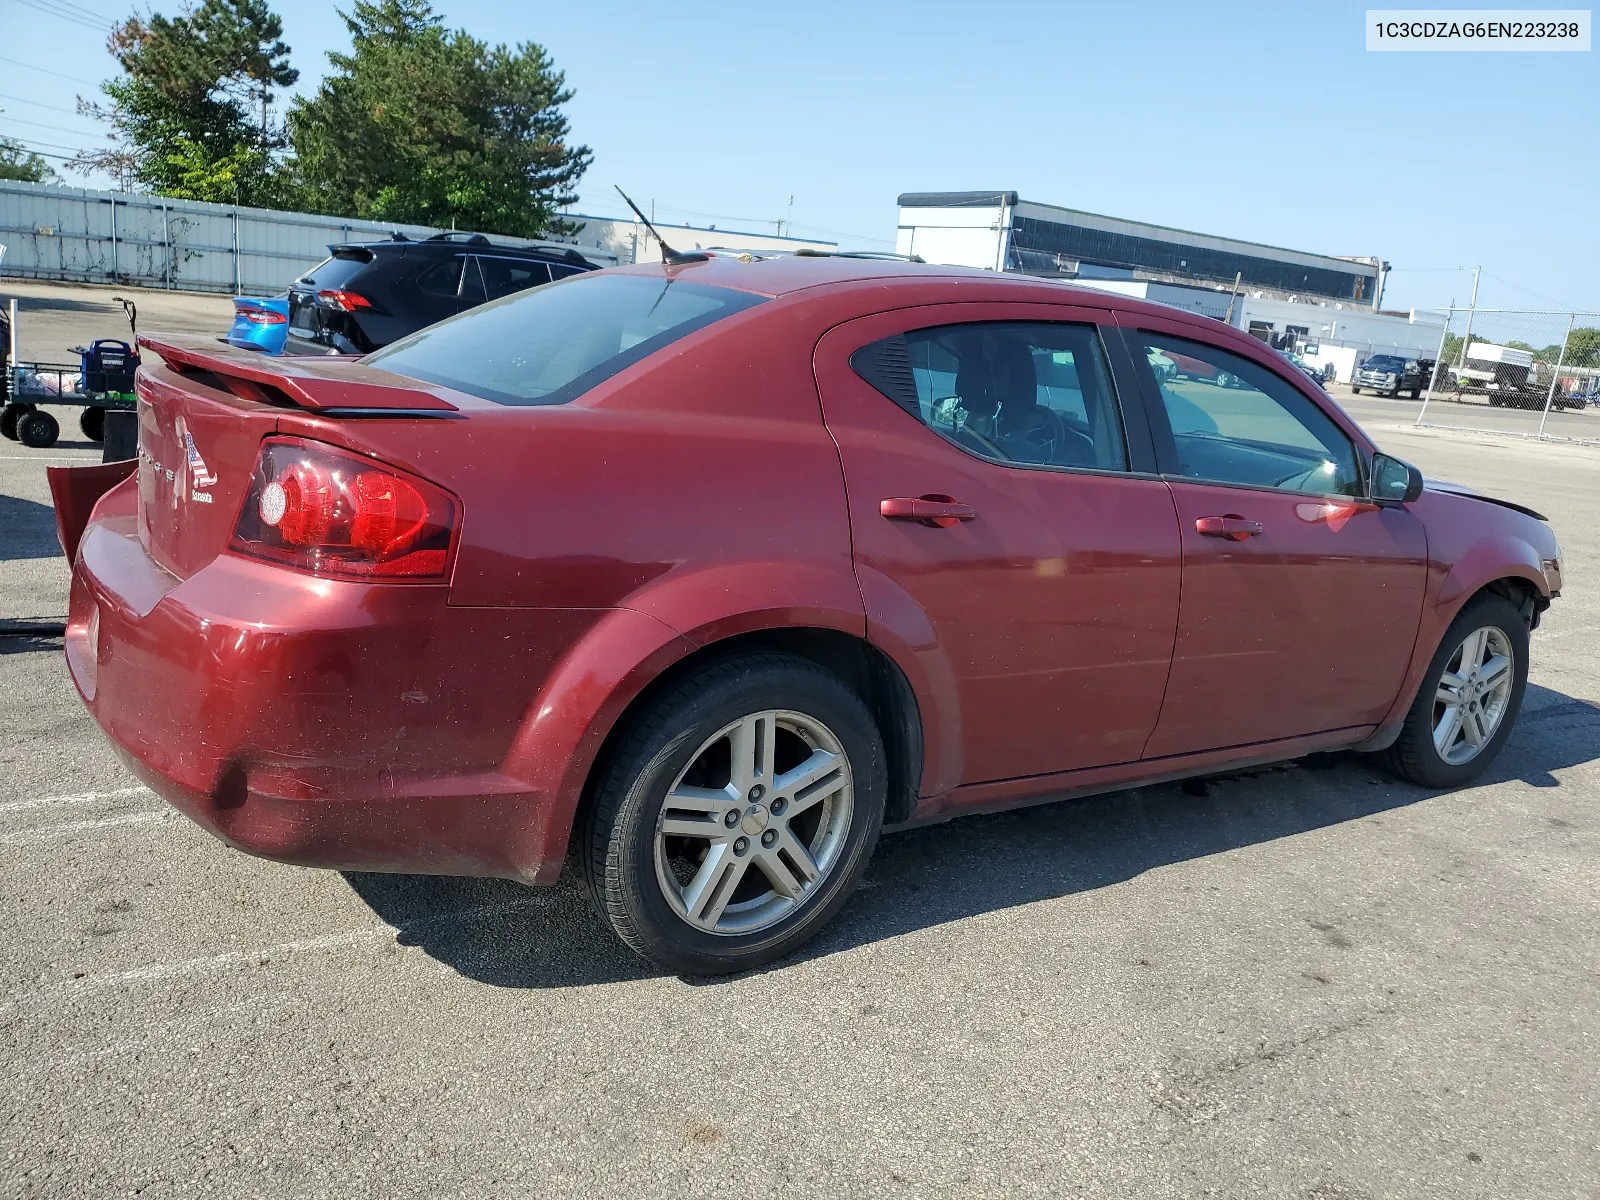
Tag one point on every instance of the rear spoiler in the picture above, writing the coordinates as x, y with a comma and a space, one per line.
320, 384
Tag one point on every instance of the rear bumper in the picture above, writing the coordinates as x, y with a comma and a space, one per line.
316, 722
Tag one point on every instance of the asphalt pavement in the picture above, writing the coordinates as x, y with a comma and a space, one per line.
1308, 981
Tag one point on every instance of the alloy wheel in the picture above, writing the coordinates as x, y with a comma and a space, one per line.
755, 823
1473, 695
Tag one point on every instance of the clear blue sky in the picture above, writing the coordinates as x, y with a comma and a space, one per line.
1270, 123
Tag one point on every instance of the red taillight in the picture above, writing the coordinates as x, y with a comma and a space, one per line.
321, 510
263, 316
346, 301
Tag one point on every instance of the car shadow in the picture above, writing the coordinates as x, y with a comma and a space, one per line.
27, 529
507, 935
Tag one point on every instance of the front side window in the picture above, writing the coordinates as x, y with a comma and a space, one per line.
1234, 421
1030, 393
549, 345
503, 276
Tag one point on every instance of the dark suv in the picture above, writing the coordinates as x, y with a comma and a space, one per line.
369, 294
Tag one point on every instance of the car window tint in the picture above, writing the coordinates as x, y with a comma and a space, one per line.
1234, 421
552, 344
503, 276
442, 279
1030, 393
333, 273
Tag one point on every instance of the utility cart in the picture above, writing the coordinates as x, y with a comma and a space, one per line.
100, 381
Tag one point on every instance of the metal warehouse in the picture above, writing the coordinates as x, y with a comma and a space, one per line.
999, 231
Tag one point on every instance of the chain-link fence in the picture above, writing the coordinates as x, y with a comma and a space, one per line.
1518, 372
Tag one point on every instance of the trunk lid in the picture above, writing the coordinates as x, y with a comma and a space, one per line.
196, 452
204, 411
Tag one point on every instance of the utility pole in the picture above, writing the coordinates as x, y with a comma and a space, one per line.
1472, 306
1232, 296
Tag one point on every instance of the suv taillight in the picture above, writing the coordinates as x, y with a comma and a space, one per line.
344, 301
320, 510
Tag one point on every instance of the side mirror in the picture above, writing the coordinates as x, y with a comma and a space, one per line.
1394, 480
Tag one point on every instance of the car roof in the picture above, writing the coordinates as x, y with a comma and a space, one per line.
789, 274
476, 244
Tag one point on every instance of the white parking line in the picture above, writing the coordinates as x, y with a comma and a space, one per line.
265, 954
48, 833
9, 806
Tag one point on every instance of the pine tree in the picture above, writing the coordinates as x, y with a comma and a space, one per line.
183, 113
422, 124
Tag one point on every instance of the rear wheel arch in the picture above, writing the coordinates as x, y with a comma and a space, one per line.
867, 670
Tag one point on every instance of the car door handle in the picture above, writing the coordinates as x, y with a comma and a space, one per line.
938, 512
1232, 526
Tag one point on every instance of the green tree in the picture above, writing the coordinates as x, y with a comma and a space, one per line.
183, 116
18, 162
422, 124
1583, 348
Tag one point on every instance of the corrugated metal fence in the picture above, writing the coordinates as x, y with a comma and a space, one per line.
67, 233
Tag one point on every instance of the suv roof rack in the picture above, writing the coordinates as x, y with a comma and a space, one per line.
471, 239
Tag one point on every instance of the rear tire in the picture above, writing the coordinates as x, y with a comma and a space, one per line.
38, 429
93, 424
666, 895
1416, 754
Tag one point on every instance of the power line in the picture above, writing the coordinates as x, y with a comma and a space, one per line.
82, 8
42, 125
45, 70
31, 142
38, 103
1523, 290
66, 14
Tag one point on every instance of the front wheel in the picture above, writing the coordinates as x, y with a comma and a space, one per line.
1469, 699
737, 815
1354, 390
38, 429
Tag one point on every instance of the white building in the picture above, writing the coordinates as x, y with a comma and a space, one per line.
1325, 307
614, 240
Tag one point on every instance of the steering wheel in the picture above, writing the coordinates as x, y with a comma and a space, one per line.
1040, 431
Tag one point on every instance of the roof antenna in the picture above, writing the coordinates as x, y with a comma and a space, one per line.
668, 255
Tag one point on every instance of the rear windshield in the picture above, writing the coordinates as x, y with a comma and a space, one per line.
331, 274
550, 344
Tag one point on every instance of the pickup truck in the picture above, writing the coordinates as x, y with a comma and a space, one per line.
1390, 375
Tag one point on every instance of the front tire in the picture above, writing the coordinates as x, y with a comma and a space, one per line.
1354, 390
1468, 700
38, 429
737, 815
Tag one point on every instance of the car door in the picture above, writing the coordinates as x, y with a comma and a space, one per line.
1301, 600
995, 495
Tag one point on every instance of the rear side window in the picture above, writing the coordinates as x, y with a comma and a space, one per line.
551, 344
442, 279
1030, 393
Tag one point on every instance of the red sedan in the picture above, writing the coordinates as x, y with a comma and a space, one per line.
710, 572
